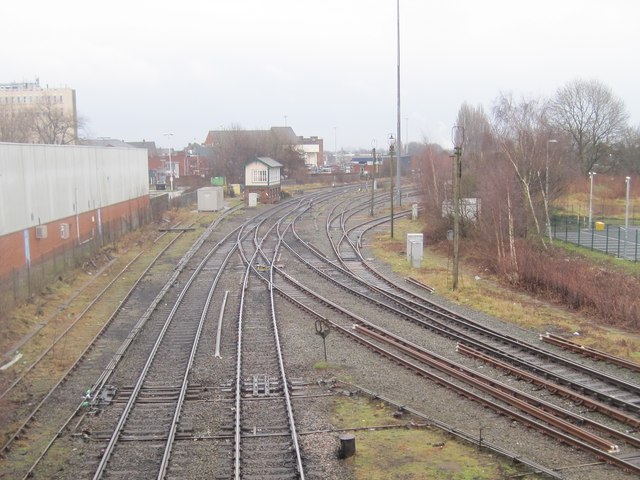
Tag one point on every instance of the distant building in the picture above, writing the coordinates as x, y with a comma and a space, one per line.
150, 146
64, 202
282, 136
30, 96
233, 147
313, 151
105, 142
262, 176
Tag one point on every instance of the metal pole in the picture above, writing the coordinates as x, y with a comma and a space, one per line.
456, 217
626, 217
591, 175
169, 135
391, 147
373, 178
399, 142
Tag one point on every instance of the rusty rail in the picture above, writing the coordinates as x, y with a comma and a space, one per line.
589, 351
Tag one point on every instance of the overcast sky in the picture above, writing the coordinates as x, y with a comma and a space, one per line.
142, 68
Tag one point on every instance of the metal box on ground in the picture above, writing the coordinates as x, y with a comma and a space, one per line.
599, 225
210, 199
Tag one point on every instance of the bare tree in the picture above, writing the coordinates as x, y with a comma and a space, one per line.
53, 126
521, 131
627, 152
592, 116
234, 147
16, 126
477, 131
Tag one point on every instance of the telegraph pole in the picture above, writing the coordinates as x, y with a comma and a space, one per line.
458, 139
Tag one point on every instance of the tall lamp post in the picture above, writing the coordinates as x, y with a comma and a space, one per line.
546, 188
626, 217
373, 174
392, 146
457, 137
169, 135
398, 135
626, 214
591, 175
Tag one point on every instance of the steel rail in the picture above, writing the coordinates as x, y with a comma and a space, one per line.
119, 354
82, 354
589, 351
164, 464
452, 316
562, 436
455, 369
108, 451
554, 388
249, 261
87, 308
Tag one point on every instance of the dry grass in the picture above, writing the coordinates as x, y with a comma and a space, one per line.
32, 326
487, 293
409, 452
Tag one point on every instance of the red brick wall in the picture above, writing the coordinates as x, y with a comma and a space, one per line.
119, 217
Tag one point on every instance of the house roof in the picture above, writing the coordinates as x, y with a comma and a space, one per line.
150, 146
285, 135
104, 142
281, 135
269, 162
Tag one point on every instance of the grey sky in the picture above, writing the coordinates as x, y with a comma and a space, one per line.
144, 68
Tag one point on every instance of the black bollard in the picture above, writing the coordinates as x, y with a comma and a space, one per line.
347, 445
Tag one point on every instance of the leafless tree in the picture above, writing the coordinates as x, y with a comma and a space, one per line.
53, 126
234, 147
477, 131
627, 152
45, 123
593, 118
521, 130
16, 126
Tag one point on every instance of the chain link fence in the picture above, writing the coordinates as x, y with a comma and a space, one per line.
611, 239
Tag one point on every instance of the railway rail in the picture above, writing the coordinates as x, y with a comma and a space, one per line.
206, 361
60, 403
23, 383
605, 387
348, 260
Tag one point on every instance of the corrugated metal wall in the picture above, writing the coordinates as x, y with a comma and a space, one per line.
43, 183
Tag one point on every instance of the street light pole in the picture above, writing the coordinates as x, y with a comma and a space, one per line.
591, 175
169, 135
626, 217
458, 139
392, 145
373, 175
398, 134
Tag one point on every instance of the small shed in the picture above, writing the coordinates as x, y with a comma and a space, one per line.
262, 176
210, 199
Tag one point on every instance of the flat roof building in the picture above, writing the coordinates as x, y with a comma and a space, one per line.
24, 97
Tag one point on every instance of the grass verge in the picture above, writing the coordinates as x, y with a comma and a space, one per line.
485, 293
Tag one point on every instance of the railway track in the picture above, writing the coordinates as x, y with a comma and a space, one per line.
55, 413
83, 331
256, 392
627, 461
200, 388
143, 419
